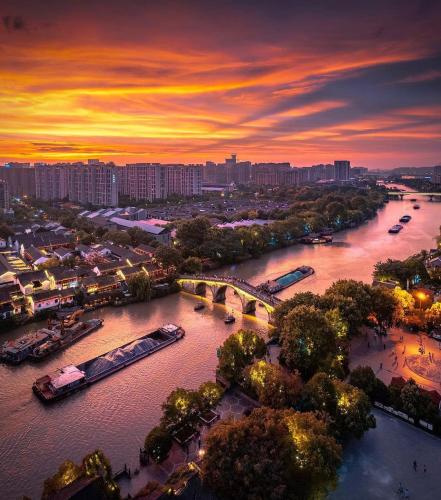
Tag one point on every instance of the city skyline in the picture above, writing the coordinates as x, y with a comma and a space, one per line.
185, 83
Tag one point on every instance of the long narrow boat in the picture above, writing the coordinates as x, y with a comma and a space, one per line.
287, 279
72, 378
395, 229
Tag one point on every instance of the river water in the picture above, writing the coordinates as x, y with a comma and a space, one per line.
116, 413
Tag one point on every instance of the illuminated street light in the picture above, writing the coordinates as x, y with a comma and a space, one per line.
422, 296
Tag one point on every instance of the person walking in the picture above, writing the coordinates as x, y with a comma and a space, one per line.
415, 465
425, 468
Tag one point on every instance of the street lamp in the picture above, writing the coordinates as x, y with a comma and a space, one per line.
422, 296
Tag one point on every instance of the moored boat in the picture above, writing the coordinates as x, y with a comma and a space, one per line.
199, 306
65, 337
405, 218
395, 229
316, 240
229, 318
416, 206
16, 351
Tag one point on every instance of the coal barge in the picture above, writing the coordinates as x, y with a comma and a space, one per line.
72, 378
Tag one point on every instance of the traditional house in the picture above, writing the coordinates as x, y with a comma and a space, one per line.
10, 301
43, 241
35, 256
50, 299
34, 281
143, 249
63, 253
64, 278
94, 285
107, 268
127, 272
7, 272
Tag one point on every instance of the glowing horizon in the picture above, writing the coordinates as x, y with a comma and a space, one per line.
187, 82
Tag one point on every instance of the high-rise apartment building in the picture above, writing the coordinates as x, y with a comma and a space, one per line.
274, 174
20, 178
146, 181
342, 170
155, 181
4, 195
183, 180
94, 183
51, 182
436, 177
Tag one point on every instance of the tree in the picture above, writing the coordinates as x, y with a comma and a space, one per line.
210, 394
271, 455
158, 443
336, 213
180, 409
273, 386
139, 285
307, 340
364, 378
5, 231
405, 300
192, 265
433, 316
138, 236
97, 464
353, 300
353, 416
192, 233
67, 473
299, 299
385, 306
119, 237
238, 351
168, 256
348, 406
415, 402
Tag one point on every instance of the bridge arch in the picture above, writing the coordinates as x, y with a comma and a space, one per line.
248, 294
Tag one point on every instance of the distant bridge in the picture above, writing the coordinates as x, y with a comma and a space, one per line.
401, 194
249, 295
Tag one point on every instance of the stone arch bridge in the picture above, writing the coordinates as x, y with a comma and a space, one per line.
248, 294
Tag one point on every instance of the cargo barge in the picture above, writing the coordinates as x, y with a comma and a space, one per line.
287, 279
39, 344
61, 339
72, 378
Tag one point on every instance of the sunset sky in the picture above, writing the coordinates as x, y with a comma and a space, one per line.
189, 81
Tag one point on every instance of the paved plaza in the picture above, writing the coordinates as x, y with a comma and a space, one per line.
375, 465
399, 355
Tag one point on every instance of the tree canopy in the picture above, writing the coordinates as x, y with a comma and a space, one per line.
239, 350
271, 454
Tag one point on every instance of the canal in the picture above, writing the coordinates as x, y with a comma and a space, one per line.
116, 413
